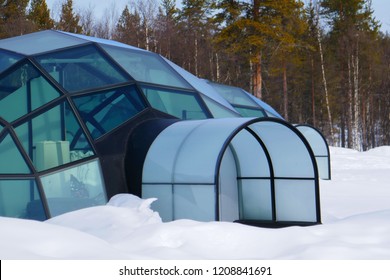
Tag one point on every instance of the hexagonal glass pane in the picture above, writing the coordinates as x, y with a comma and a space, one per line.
146, 67
181, 104
21, 199
104, 111
25, 87
54, 138
81, 68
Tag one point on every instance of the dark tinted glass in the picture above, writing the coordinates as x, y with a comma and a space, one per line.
104, 111
81, 68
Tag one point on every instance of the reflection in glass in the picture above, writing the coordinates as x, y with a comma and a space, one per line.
74, 188
7, 59
11, 160
104, 111
26, 87
181, 104
54, 138
81, 68
21, 199
146, 67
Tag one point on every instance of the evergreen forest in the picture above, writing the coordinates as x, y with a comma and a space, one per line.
324, 63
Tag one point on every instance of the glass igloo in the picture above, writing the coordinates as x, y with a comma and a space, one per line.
83, 119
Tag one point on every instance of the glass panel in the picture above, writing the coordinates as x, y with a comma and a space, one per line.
21, 199
184, 105
218, 110
295, 200
7, 59
11, 160
146, 67
256, 200
228, 189
54, 138
195, 202
323, 167
251, 158
317, 143
164, 203
74, 188
81, 69
26, 88
250, 112
234, 95
289, 155
104, 111
160, 161
39, 42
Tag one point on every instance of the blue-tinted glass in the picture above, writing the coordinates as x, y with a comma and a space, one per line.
11, 160
250, 112
7, 59
54, 138
146, 67
39, 42
81, 69
22, 91
74, 188
234, 95
21, 199
104, 111
184, 105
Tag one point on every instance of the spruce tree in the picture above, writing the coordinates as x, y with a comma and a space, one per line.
69, 20
39, 14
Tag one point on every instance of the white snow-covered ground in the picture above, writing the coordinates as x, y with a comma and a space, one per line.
355, 207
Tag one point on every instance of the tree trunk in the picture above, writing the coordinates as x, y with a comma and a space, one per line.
257, 78
327, 103
285, 93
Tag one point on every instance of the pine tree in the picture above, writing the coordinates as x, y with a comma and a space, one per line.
13, 21
69, 20
39, 14
128, 29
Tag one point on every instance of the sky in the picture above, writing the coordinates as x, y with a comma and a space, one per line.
381, 8
355, 214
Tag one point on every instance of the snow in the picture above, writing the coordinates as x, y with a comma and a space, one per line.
355, 207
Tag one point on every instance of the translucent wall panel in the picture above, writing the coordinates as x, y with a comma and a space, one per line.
255, 199
160, 161
74, 188
104, 111
295, 200
25, 87
250, 156
320, 149
20, 199
181, 104
11, 160
7, 59
228, 188
81, 68
146, 67
39, 42
289, 154
164, 203
54, 138
196, 202
200, 151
